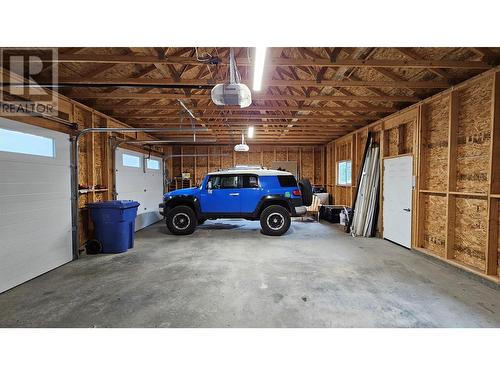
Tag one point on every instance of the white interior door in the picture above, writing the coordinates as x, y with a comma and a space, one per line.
35, 202
397, 199
138, 180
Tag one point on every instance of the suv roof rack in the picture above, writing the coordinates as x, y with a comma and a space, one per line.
245, 167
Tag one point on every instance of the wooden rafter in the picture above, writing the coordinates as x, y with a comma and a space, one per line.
354, 63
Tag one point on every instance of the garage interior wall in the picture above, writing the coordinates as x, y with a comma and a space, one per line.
454, 138
310, 159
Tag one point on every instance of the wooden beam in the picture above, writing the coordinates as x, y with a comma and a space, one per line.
452, 174
232, 109
325, 98
355, 63
247, 116
272, 83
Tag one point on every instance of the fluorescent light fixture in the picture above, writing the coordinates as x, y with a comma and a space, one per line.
250, 131
260, 58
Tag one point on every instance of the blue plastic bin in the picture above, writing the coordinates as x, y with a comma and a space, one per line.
114, 223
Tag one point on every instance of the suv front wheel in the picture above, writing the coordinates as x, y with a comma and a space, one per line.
275, 220
181, 220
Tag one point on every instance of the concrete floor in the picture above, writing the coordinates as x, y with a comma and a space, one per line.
227, 274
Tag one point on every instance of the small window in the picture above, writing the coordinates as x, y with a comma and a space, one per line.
344, 173
287, 181
224, 182
250, 181
153, 164
24, 143
131, 161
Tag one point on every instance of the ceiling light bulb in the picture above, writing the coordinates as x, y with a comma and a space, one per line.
260, 58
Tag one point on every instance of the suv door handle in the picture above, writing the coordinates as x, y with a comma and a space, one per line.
234, 194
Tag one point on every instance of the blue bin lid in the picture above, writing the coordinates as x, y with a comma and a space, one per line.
114, 204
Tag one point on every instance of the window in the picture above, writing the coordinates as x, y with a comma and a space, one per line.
344, 172
24, 143
224, 182
250, 181
131, 161
153, 164
287, 181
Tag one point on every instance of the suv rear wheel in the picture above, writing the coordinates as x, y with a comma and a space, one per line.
181, 220
275, 220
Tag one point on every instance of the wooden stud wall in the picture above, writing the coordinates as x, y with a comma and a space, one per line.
454, 138
310, 159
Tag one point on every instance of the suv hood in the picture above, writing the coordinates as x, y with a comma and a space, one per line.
186, 191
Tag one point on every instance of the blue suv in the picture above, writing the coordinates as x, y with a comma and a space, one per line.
271, 196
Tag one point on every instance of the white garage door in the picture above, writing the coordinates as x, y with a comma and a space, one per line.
140, 179
35, 202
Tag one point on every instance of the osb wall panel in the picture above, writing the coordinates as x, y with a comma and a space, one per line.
281, 154
343, 151
342, 195
311, 163
318, 166
254, 156
293, 155
434, 223
399, 139
474, 137
434, 145
391, 137
227, 160
188, 161
268, 156
241, 158
497, 207
201, 164
407, 141
306, 165
215, 158
470, 231
360, 149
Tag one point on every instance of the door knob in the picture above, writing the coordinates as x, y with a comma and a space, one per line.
406, 209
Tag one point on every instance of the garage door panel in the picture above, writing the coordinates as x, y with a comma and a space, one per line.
12, 204
44, 252
142, 185
35, 218
33, 191
32, 173
22, 220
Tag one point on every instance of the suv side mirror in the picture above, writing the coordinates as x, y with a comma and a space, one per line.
209, 185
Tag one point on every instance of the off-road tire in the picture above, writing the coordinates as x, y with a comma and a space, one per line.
181, 220
275, 220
